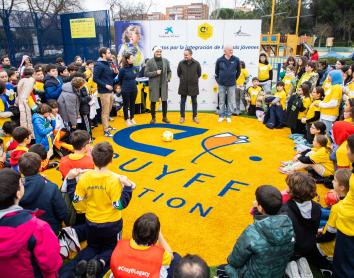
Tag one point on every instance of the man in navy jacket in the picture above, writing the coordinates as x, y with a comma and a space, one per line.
103, 75
227, 70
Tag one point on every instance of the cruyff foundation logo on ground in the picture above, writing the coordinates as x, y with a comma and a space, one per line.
210, 143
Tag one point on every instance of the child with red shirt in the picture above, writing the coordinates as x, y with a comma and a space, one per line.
23, 137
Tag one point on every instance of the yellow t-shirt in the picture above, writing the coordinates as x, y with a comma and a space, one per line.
305, 77
263, 71
328, 247
334, 94
321, 156
312, 109
288, 83
282, 98
253, 92
327, 86
242, 78
306, 102
350, 88
341, 156
99, 191
166, 256
345, 219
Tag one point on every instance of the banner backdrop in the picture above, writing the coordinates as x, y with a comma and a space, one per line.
205, 38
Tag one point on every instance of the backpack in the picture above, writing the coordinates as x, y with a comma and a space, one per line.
71, 216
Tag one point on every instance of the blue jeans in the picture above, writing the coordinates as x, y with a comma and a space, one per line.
328, 125
226, 92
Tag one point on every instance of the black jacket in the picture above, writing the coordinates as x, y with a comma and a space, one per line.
227, 71
84, 102
42, 194
189, 73
305, 229
103, 75
126, 79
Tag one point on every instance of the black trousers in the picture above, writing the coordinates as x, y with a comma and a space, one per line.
129, 103
194, 105
164, 109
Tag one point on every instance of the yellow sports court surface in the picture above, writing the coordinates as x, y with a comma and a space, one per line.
202, 184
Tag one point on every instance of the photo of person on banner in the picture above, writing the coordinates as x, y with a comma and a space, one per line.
132, 38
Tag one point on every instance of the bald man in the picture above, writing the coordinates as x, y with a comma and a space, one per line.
227, 70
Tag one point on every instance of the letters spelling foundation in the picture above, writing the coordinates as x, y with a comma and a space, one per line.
202, 184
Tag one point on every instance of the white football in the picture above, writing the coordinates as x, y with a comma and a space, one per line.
167, 136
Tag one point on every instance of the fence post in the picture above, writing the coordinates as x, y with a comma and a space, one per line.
8, 34
39, 36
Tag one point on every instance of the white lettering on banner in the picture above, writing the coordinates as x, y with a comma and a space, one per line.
133, 271
206, 39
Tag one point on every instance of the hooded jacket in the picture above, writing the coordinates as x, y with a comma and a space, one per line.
263, 249
52, 87
43, 130
103, 75
69, 104
306, 221
44, 195
28, 247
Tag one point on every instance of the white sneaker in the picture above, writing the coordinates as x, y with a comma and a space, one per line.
292, 270
304, 268
133, 122
228, 119
70, 236
129, 123
111, 119
64, 247
221, 119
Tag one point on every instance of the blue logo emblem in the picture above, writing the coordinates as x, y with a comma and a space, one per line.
168, 30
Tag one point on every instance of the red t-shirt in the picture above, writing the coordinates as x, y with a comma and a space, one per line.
73, 161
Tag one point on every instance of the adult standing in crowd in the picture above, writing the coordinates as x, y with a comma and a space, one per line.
159, 73
189, 72
5, 63
103, 75
227, 70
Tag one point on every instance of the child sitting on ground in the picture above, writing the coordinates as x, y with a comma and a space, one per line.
317, 159
142, 252
40, 193
23, 137
25, 239
100, 194
9, 143
275, 116
255, 98
45, 163
269, 234
43, 126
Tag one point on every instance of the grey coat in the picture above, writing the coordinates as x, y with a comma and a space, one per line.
69, 104
154, 79
189, 74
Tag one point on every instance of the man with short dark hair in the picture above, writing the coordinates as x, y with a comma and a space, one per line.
103, 75
189, 72
40, 193
5, 63
191, 266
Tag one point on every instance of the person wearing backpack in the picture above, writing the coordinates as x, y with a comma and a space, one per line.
28, 246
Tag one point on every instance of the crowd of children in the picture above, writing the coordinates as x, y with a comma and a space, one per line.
50, 110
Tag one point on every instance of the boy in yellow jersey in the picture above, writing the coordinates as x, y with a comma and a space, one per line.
241, 84
38, 87
289, 80
343, 260
310, 75
313, 113
254, 97
349, 87
265, 73
329, 107
102, 196
275, 116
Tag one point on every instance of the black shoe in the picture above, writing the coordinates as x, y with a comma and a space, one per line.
80, 269
53, 165
165, 120
94, 267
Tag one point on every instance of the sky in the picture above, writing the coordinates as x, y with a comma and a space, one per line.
158, 5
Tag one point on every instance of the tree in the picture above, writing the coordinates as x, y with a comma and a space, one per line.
128, 10
225, 13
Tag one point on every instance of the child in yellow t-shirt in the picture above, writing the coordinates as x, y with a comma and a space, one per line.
241, 83
275, 116
318, 159
100, 194
254, 98
289, 80
265, 73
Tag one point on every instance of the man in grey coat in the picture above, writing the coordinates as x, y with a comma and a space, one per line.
159, 73
189, 72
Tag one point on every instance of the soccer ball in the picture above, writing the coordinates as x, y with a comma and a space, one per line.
167, 136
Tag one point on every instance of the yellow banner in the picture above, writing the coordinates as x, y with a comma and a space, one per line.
82, 28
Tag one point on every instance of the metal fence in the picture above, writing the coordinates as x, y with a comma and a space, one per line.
44, 37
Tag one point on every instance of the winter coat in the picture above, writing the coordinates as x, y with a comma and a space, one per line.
154, 79
305, 229
103, 75
126, 79
227, 71
28, 246
69, 104
84, 101
42, 194
189, 74
263, 249
43, 130
295, 106
52, 87
24, 90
